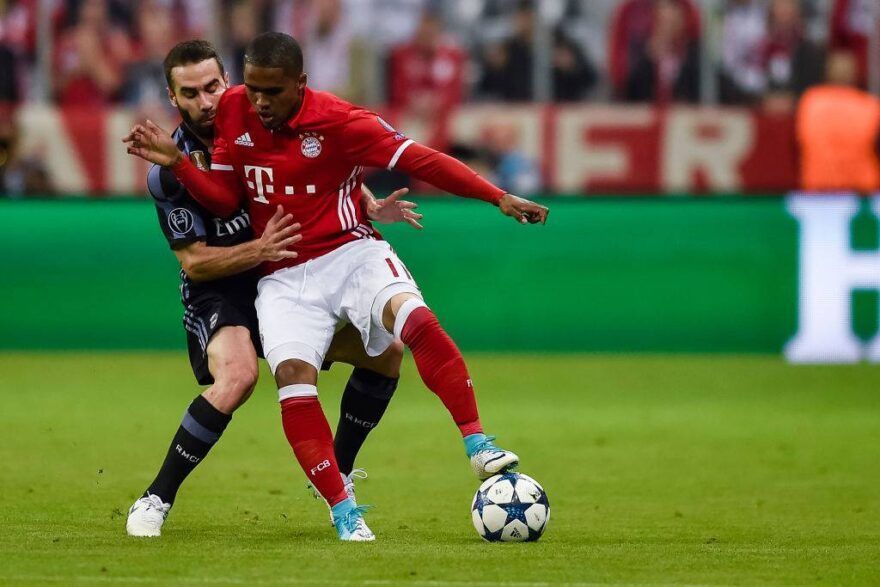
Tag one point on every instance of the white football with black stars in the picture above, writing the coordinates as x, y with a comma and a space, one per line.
510, 507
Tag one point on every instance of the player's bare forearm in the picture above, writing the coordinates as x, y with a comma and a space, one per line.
203, 263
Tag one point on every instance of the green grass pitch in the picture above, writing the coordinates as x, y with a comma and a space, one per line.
659, 469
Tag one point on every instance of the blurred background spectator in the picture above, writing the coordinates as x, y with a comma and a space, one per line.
838, 127
327, 42
507, 65
509, 168
742, 78
791, 61
243, 24
632, 28
574, 75
851, 30
426, 77
145, 76
665, 67
427, 73
91, 57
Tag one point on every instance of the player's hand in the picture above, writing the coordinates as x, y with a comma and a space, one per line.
522, 210
280, 234
392, 209
150, 142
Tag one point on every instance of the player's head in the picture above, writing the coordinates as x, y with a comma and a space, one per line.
196, 80
273, 77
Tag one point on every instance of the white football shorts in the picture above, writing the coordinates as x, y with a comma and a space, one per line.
300, 308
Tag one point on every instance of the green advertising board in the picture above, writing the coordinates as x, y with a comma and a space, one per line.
649, 274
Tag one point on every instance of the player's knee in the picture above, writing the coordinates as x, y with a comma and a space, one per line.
388, 363
398, 310
295, 371
234, 386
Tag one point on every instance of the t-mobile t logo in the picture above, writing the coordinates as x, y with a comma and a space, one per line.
320, 467
261, 186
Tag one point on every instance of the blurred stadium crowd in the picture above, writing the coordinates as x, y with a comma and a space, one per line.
426, 58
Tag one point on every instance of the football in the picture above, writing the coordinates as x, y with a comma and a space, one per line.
511, 507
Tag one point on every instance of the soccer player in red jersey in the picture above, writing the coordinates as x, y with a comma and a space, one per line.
218, 289
278, 142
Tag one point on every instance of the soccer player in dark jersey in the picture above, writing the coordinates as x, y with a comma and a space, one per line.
276, 141
218, 256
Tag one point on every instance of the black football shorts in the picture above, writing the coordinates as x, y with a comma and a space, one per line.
207, 314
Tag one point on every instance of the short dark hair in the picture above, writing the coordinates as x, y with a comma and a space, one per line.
187, 52
275, 50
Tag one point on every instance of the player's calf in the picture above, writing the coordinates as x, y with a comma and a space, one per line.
232, 361
438, 360
443, 370
306, 428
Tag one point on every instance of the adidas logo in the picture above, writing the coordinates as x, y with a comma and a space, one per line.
245, 140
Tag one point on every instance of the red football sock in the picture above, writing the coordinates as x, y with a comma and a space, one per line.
442, 368
310, 438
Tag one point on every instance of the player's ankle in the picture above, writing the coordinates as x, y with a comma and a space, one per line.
471, 428
472, 442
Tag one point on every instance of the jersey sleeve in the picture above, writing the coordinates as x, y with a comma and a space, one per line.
219, 190
180, 218
372, 142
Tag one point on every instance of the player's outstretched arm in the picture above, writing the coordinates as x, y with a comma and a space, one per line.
372, 142
391, 209
203, 263
220, 191
453, 176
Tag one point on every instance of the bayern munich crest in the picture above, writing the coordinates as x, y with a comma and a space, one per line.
311, 147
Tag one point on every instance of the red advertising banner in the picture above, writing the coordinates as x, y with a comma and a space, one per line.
590, 149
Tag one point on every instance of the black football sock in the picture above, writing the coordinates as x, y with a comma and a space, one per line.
200, 429
366, 396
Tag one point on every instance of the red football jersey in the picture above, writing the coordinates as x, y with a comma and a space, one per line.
313, 166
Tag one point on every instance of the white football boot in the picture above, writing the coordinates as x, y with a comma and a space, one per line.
347, 481
486, 458
146, 516
350, 524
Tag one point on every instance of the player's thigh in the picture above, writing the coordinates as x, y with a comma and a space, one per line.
296, 323
378, 276
348, 347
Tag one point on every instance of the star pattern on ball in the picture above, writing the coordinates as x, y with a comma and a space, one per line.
511, 507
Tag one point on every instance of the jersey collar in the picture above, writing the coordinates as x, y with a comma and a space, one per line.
294, 122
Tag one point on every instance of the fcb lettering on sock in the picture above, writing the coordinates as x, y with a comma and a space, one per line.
309, 435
